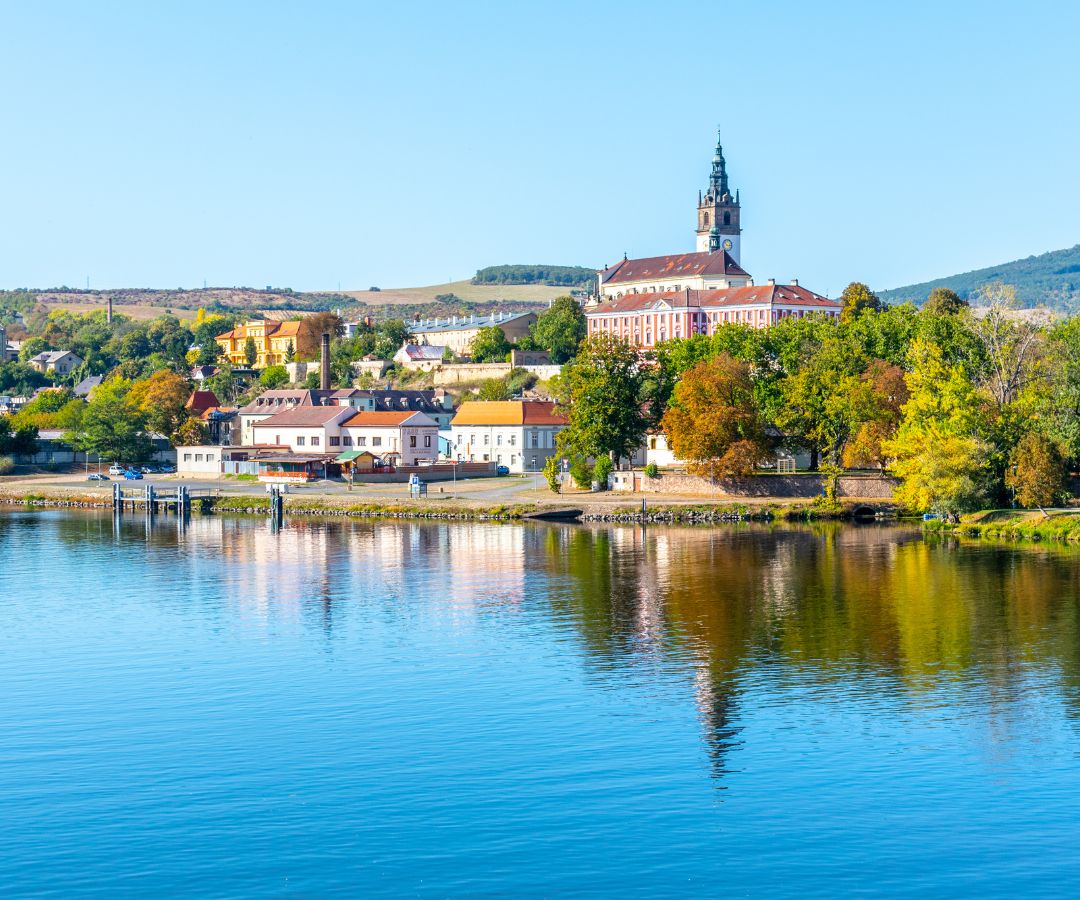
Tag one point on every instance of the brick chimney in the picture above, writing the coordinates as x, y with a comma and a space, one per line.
324, 360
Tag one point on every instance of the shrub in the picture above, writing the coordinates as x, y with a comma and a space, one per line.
602, 470
6, 465
582, 473
652, 470
551, 473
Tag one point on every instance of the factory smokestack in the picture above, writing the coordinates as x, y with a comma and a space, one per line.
108, 311
324, 363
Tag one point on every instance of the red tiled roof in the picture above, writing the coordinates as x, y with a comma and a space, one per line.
679, 265
753, 295
200, 400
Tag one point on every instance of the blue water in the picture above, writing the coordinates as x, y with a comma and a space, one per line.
397, 709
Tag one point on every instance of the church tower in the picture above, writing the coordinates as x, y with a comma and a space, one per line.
718, 225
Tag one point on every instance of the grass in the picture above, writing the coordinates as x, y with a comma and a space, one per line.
481, 293
1018, 525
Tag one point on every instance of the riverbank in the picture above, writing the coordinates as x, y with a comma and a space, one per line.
585, 507
1016, 525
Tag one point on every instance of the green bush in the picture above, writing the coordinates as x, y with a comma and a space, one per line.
602, 470
582, 473
651, 470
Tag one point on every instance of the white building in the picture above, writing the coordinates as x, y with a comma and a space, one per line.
62, 362
412, 437
518, 434
458, 332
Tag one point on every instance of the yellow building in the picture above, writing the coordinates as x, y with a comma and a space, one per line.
272, 342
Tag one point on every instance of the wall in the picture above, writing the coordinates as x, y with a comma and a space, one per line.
878, 487
455, 374
198, 460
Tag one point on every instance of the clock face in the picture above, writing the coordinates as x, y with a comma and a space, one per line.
727, 245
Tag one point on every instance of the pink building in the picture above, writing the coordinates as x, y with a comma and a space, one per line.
644, 319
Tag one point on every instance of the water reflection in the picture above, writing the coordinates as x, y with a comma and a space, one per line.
872, 613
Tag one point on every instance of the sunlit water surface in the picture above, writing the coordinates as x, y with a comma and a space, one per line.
399, 709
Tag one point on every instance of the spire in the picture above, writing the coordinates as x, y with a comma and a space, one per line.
718, 183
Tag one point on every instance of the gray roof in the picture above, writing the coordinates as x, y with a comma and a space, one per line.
84, 387
465, 323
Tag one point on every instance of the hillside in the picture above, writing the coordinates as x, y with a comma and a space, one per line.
457, 297
1051, 280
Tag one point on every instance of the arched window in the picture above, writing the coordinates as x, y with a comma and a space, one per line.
727, 218
706, 220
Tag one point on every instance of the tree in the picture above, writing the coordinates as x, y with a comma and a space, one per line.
493, 389
713, 422
551, 474
857, 298
273, 377
190, 433
447, 355
1011, 346
1036, 474
290, 352
600, 394
875, 401
560, 329
161, 400
31, 347
944, 302
489, 345
113, 426
251, 352
940, 451
21, 440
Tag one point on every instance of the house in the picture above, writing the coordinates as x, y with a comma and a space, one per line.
420, 357
518, 434
404, 438
313, 430
273, 342
457, 332
200, 402
85, 387
201, 373
435, 403
60, 362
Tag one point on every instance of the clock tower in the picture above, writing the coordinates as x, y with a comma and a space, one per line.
718, 225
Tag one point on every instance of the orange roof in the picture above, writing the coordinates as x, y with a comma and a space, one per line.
377, 419
508, 412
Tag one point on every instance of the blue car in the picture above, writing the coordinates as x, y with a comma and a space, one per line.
133, 475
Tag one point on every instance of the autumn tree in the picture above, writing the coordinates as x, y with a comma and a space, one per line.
941, 453
191, 432
1011, 346
1036, 473
713, 422
600, 394
857, 298
161, 399
879, 396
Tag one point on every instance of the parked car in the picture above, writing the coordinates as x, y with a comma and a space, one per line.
133, 475
167, 469
97, 476
149, 470
116, 469
502, 470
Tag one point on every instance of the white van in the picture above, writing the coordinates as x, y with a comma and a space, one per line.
116, 469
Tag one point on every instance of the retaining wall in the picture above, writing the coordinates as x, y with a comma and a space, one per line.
875, 487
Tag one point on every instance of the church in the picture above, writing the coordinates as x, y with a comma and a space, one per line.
645, 301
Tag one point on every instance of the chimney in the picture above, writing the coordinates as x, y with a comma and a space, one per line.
794, 282
108, 311
324, 369
772, 282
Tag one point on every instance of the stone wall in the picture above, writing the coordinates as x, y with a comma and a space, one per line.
876, 487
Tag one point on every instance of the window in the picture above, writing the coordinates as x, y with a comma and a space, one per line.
727, 218
361, 441
427, 440
412, 440
209, 457
513, 440
513, 459
346, 441
498, 439
335, 442
277, 439
198, 457
187, 457
314, 441
652, 443
487, 439
376, 442
458, 441
300, 441
535, 439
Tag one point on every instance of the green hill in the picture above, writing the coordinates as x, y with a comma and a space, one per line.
1051, 279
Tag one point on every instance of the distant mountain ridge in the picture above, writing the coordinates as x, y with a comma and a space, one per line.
1050, 279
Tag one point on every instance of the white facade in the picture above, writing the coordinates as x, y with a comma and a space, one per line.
199, 460
415, 441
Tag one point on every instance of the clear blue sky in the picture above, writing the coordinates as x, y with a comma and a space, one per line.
317, 144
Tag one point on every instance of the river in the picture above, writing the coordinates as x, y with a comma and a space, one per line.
392, 708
